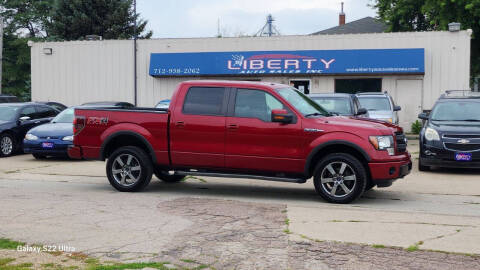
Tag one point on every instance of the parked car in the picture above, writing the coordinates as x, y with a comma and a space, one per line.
163, 104
340, 104
18, 118
243, 130
8, 98
380, 106
51, 139
109, 104
56, 105
451, 134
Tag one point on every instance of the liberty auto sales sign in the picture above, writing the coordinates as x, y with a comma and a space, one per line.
328, 62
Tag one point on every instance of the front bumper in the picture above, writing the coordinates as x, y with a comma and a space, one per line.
59, 148
441, 157
385, 173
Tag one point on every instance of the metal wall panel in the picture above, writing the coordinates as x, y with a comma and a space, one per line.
103, 70
78, 72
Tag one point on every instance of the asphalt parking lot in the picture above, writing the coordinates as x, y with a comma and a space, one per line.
244, 224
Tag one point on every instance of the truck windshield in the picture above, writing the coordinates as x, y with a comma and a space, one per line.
375, 103
456, 111
302, 103
8, 113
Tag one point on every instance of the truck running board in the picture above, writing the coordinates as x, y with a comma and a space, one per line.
250, 176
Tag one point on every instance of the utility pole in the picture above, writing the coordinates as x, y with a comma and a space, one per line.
135, 52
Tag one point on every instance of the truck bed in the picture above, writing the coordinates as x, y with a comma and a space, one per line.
103, 125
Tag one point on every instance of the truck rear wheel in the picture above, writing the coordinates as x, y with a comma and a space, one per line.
165, 176
340, 178
129, 169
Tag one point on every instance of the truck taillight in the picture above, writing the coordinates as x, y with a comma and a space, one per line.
78, 124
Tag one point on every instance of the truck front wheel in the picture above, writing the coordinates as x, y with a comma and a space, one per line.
129, 169
340, 178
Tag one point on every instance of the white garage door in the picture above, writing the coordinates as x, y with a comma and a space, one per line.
409, 97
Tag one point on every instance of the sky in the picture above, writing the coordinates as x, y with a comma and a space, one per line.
199, 18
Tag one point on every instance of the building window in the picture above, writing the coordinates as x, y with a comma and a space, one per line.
353, 86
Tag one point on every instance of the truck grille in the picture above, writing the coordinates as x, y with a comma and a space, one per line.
463, 147
401, 142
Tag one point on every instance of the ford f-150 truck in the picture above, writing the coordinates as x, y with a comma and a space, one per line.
238, 129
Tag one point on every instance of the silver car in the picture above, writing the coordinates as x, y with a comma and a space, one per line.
341, 104
380, 106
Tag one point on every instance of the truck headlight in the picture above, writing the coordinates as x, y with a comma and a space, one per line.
431, 134
30, 137
383, 143
68, 138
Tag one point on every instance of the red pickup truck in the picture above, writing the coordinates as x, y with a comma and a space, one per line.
239, 129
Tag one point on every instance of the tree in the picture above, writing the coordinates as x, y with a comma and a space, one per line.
68, 20
16, 66
26, 17
426, 15
111, 19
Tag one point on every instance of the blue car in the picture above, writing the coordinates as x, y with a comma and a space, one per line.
163, 104
51, 139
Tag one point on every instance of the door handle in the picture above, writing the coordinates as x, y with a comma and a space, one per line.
37, 122
232, 127
180, 124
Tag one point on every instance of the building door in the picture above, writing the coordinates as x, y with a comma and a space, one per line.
353, 86
408, 96
302, 85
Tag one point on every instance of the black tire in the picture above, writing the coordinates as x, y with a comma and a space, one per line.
421, 167
39, 156
138, 172
354, 175
7, 145
166, 177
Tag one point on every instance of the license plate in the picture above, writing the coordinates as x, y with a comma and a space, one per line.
463, 156
47, 145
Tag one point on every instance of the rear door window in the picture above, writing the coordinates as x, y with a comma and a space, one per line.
28, 111
204, 101
46, 112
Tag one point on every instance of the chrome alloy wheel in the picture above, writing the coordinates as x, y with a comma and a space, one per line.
126, 170
338, 179
6, 145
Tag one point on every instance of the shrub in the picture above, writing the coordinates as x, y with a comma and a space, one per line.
416, 127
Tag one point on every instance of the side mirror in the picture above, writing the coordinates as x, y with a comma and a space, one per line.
362, 111
24, 118
397, 108
423, 116
282, 116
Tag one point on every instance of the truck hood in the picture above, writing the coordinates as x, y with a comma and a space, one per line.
53, 130
355, 125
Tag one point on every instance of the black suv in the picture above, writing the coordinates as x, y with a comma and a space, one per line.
451, 134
